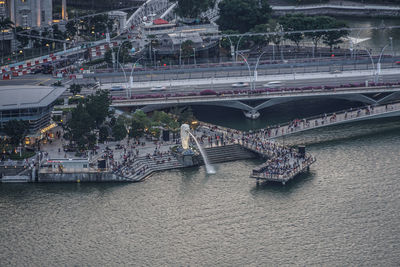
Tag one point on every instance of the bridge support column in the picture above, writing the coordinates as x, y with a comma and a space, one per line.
252, 114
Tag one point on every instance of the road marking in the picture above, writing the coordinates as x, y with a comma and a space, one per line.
43, 81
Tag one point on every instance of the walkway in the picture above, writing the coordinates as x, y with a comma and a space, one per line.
341, 117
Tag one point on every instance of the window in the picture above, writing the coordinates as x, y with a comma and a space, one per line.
43, 16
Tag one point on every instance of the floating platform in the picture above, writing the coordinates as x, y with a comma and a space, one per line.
261, 176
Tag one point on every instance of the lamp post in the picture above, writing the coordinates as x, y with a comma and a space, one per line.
126, 81
119, 48
372, 61
232, 48
237, 46
391, 45
248, 66
194, 56
378, 65
131, 77
255, 69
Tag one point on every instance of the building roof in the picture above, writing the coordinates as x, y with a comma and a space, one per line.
28, 96
160, 21
179, 38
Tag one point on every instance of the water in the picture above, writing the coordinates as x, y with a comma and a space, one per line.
210, 169
344, 212
377, 38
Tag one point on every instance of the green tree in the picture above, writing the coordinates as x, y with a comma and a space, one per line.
5, 25
22, 39
119, 130
277, 37
193, 8
71, 29
187, 48
79, 127
139, 123
332, 38
242, 15
75, 88
261, 39
16, 130
294, 22
98, 105
317, 23
103, 134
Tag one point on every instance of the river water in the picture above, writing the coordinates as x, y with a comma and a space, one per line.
344, 212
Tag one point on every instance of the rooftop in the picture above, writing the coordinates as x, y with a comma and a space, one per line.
28, 96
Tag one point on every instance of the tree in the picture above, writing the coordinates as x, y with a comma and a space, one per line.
139, 123
317, 23
22, 39
71, 29
261, 39
5, 24
79, 127
103, 134
294, 22
193, 8
16, 130
278, 37
187, 48
75, 88
332, 38
98, 105
119, 129
242, 15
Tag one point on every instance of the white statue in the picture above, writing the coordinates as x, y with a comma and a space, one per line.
185, 136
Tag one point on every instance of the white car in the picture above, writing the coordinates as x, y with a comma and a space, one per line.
158, 88
275, 84
240, 84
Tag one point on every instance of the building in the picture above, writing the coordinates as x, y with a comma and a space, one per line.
29, 103
30, 13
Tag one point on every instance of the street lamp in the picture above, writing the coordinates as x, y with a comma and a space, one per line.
372, 61
255, 69
378, 65
237, 46
248, 66
194, 56
126, 80
131, 77
391, 45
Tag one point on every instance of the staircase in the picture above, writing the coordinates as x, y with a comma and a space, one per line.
227, 153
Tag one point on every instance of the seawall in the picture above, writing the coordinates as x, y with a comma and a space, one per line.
80, 177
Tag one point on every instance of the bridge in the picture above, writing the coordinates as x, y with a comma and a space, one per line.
239, 99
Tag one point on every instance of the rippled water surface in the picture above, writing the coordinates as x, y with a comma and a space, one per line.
344, 212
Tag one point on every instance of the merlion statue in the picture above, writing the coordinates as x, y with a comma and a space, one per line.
185, 136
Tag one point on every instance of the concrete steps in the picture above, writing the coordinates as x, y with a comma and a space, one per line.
227, 153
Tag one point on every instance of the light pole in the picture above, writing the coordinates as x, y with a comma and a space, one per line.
372, 61
131, 77
248, 66
255, 69
122, 44
378, 65
237, 46
391, 45
126, 81
194, 56
232, 48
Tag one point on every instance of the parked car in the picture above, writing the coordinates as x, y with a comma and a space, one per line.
158, 88
240, 84
274, 84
